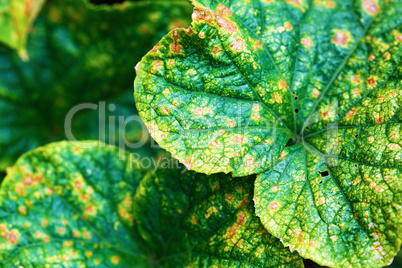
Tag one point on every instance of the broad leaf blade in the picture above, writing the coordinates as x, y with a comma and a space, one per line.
16, 17
341, 64
63, 205
79, 53
202, 94
193, 220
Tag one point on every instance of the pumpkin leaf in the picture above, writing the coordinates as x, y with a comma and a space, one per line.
78, 53
194, 220
306, 94
63, 205
16, 18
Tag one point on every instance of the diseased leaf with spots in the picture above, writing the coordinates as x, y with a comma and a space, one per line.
194, 220
16, 17
78, 53
306, 94
61, 205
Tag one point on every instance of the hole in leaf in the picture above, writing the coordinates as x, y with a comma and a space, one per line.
307, 127
324, 173
296, 98
290, 142
297, 110
320, 182
357, 135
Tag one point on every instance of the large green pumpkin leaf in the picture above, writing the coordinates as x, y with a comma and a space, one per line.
78, 53
306, 94
70, 207
194, 220
16, 17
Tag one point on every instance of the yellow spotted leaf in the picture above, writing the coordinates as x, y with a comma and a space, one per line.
305, 94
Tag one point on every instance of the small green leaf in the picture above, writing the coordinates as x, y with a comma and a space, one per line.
16, 17
194, 220
78, 53
306, 94
63, 205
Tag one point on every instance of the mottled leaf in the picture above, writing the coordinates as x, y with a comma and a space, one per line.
194, 220
78, 53
63, 206
16, 17
306, 94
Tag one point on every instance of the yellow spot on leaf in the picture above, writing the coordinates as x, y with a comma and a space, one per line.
341, 38
89, 254
277, 98
115, 260
249, 162
273, 206
280, 29
216, 50
87, 235
198, 111
176, 48
239, 139
297, 232
350, 113
394, 146
22, 210
238, 45
288, 26
213, 143
316, 93
371, 81
330, 4
371, 7
307, 42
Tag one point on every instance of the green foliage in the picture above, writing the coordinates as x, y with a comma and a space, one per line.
77, 53
16, 17
63, 205
306, 94
212, 222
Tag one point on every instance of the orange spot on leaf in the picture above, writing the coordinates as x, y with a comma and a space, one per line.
371, 7
238, 45
224, 11
273, 206
216, 50
306, 42
176, 48
371, 82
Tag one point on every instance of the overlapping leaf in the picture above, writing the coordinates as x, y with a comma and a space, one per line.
16, 17
304, 93
68, 206
193, 220
62, 205
78, 53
